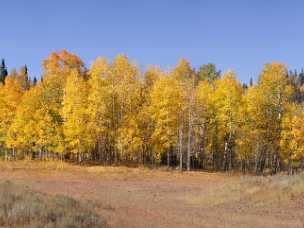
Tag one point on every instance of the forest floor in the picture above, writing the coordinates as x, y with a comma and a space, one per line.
142, 197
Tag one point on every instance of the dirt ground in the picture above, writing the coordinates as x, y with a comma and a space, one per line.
141, 197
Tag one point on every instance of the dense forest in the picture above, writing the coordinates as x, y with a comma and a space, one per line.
116, 113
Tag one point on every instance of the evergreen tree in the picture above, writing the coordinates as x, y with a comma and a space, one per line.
34, 81
3, 71
23, 78
251, 82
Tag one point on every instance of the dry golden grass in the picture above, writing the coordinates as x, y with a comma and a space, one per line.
21, 207
143, 197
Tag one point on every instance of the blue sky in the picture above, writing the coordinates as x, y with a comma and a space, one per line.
236, 34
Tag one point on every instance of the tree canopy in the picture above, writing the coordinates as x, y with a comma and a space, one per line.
116, 113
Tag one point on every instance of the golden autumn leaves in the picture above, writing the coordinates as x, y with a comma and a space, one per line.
113, 112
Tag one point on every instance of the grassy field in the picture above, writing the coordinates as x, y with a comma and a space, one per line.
141, 197
21, 207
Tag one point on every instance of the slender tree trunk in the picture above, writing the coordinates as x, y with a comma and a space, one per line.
114, 155
227, 153
168, 157
181, 147
215, 161
289, 167
14, 153
302, 163
190, 125
79, 157
225, 156
230, 150
276, 162
202, 146
98, 154
189, 140
260, 162
243, 166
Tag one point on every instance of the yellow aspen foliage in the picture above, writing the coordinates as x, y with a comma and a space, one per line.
167, 101
11, 94
115, 112
182, 70
77, 135
292, 134
152, 74
99, 98
206, 115
22, 133
245, 134
36, 126
227, 98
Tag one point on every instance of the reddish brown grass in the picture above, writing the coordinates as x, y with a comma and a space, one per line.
141, 197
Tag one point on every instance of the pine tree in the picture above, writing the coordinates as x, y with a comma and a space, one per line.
3, 71
35, 81
251, 82
23, 78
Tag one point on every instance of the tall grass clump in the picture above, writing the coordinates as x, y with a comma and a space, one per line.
20, 207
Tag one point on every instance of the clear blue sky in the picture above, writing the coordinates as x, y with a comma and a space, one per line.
235, 34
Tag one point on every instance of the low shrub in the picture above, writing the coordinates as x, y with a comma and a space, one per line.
20, 207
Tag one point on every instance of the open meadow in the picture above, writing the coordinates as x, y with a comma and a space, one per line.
142, 197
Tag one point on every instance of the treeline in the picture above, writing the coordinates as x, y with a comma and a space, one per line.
113, 113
